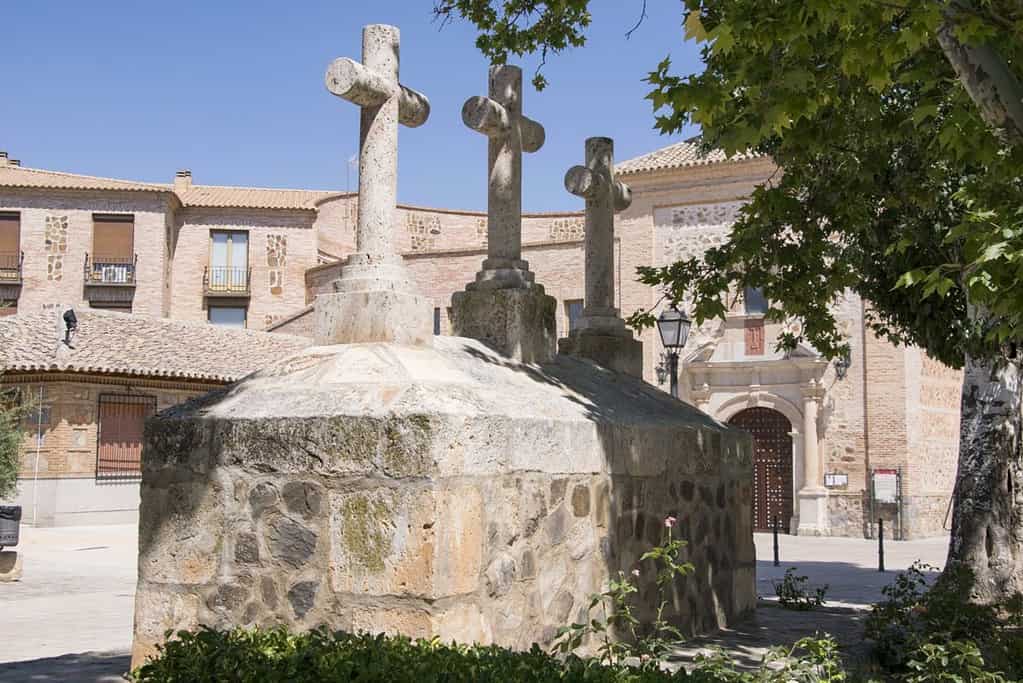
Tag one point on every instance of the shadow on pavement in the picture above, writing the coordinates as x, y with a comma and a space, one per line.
86, 667
848, 584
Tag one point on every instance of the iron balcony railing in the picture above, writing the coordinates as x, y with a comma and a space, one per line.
10, 268
111, 270
224, 281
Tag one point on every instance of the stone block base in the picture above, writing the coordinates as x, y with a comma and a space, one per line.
10, 566
614, 352
813, 513
356, 317
517, 323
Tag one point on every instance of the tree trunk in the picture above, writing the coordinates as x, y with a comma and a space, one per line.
990, 82
987, 519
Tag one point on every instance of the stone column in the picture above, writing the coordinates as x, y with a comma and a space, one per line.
813, 497
601, 335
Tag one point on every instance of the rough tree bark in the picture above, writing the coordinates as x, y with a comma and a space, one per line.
990, 82
987, 519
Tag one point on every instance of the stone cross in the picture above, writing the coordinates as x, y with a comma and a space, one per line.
373, 86
604, 195
510, 133
375, 299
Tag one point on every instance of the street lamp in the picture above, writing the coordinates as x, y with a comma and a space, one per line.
673, 326
842, 364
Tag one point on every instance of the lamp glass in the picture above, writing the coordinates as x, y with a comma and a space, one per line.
673, 326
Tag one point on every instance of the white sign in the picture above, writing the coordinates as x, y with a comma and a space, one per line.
836, 480
886, 486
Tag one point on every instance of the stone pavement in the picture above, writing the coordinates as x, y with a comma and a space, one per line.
76, 596
70, 617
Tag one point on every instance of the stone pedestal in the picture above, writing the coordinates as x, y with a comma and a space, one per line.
516, 322
813, 512
443, 491
375, 301
10, 566
620, 353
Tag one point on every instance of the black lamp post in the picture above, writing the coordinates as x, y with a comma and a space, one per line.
673, 326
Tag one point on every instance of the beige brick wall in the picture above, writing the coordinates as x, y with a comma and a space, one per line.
44, 286
266, 303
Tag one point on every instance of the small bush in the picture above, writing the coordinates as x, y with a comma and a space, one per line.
10, 442
794, 593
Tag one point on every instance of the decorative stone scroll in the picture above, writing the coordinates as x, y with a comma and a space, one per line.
601, 334
375, 299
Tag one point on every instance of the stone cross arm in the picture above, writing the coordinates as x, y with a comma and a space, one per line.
492, 119
588, 183
362, 86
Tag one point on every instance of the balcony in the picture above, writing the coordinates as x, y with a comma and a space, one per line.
220, 281
10, 268
110, 271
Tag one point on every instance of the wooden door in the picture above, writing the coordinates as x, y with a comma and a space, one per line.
772, 465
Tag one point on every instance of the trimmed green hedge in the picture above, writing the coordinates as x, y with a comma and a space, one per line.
271, 656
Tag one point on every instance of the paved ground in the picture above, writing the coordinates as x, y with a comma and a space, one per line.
69, 619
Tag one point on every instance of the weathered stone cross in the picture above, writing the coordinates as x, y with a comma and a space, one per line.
375, 299
604, 196
374, 86
600, 334
500, 118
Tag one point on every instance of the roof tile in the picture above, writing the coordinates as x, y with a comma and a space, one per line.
123, 344
683, 154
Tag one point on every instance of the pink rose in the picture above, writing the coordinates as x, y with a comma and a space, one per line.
669, 522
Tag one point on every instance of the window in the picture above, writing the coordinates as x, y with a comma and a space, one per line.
229, 261
755, 337
573, 311
228, 316
755, 301
8, 308
436, 321
10, 246
113, 249
122, 419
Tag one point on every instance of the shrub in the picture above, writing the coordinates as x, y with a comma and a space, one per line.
271, 656
794, 593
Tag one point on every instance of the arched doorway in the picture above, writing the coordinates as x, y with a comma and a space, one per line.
772, 465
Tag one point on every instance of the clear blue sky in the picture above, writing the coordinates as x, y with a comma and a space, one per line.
234, 91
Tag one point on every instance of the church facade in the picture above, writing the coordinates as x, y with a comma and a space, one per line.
836, 448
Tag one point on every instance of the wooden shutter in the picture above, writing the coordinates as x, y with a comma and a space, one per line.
113, 238
10, 234
121, 424
755, 337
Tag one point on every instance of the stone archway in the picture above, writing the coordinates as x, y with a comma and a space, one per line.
772, 465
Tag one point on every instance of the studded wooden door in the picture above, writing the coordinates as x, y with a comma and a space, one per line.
772, 465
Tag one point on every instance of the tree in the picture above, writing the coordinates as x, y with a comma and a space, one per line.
10, 444
897, 124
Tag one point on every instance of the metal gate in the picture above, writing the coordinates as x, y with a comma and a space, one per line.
772, 465
122, 419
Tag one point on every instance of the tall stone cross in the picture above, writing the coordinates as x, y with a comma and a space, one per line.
601, 334
510, 133
504, 308
375, 299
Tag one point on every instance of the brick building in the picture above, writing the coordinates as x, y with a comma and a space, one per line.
256, 258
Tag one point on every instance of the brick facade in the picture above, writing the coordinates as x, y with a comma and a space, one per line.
895, 408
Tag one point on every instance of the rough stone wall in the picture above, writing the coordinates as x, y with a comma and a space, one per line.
282, 246
56, 234
504, 558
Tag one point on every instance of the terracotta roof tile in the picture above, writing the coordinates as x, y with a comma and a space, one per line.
251, 197
679, 155
123, 344
19, 176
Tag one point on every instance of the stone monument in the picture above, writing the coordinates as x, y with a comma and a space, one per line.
388, 484
601, 334
375, 299
505, 307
